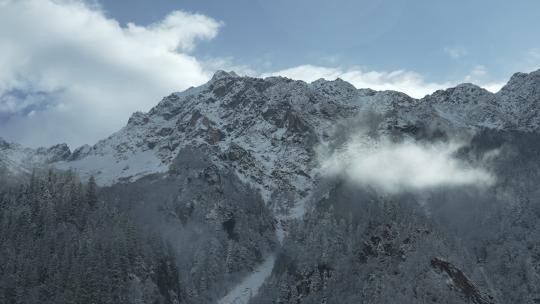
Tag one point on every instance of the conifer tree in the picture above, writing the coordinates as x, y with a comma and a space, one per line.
91, 192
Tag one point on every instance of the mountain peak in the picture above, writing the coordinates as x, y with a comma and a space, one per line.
468, 86
464, 93
522, 84
220, 74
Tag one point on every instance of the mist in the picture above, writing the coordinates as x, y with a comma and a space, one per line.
406, 165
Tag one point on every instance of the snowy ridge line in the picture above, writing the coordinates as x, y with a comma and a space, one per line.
260, 114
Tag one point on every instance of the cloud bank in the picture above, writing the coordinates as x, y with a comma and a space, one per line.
71, 74
406, 166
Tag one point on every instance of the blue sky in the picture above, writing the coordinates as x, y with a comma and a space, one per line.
74, 70
443, 40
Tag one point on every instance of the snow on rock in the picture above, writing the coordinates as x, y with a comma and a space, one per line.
18, 159
108, 170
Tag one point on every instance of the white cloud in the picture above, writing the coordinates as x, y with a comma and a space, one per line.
477, 71
456, 52
178, 31
408, 82
406, 166
95, 72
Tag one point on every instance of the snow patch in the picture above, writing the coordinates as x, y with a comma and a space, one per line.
107, 170
249, 287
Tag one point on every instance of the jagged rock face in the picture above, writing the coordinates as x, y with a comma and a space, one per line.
55, 153
18, 159
520, 100
466, 105
515, 107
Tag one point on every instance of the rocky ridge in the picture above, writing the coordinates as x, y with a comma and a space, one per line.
267, 128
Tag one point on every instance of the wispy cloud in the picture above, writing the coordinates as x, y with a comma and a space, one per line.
533, 59
456, 52
534, 53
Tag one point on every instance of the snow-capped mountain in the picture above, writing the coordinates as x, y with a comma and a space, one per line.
514, 107
269, 133
267, 128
